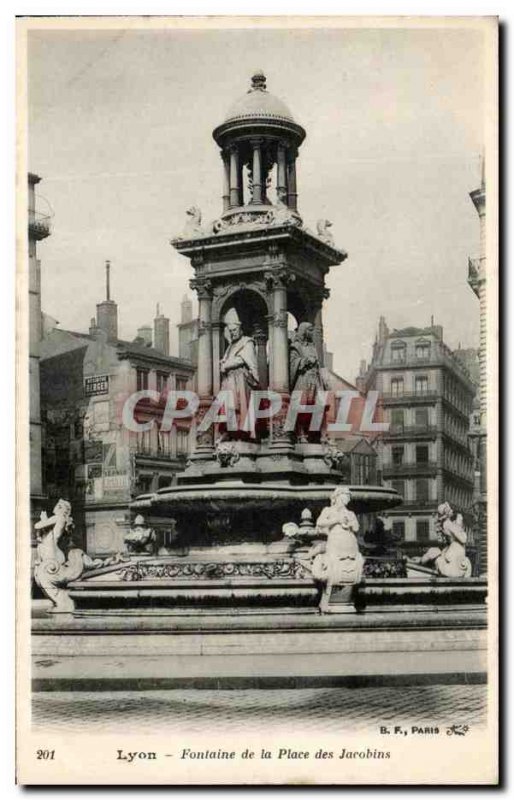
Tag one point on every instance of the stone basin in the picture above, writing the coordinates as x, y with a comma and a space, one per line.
235, 511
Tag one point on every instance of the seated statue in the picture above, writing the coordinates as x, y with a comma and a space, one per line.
451, 561
338, 562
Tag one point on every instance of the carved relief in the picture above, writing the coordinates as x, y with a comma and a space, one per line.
202, 286
214, 570
226, 453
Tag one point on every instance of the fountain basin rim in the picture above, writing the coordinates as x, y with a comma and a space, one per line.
376, 497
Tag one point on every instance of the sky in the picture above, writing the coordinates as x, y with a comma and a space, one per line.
120, 125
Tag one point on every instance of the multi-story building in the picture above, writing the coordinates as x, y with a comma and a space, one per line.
38, 229
90, 457
477, 281
427, 398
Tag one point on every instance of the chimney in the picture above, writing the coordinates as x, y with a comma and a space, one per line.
383, 330
186, 310
145, 333
161, 332
107, 310
363, 367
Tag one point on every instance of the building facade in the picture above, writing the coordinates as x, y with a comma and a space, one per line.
39, 227
90, 457
427, 398
477, 282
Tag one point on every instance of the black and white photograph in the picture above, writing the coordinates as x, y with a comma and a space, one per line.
257, 325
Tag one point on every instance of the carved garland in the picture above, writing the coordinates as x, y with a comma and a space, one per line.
272, 570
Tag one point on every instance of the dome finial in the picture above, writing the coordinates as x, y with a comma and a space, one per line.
258, 81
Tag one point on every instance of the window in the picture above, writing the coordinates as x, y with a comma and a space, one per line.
396, 386
164, 480
421, 417
397, 455
398, 529
423, 350
421, 384
422, 454
422, 490
398, 350
399, 486
182, 384
142, 379
397, 418
144, 484
162, 381
422, 530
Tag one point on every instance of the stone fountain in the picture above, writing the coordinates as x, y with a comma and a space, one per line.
229, 568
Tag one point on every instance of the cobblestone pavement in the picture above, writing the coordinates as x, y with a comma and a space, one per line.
333, 710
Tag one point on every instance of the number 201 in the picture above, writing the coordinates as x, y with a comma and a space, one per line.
45, 755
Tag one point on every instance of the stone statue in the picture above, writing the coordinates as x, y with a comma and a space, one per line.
338, 562
53, 570
451, 561
140, 539
281, 214
238, 369
193, 225
304, 367
322, 226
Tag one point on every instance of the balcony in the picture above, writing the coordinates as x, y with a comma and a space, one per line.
411, 432
409, 468
475, 273
40, 225
153, 453
408, 398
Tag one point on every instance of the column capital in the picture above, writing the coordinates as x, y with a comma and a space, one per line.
202, 286
278, 279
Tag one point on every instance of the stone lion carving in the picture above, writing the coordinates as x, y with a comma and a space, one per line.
322, 226
53, 569
193, 225
450, 561
227, 453
334, 457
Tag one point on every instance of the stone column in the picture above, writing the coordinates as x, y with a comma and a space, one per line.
234, 176
203, 287
279, 377
281, 171
217, 353
257, 171
291, 179
204, 379
226, 179
262, 365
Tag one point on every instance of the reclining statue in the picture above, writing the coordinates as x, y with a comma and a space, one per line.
450, 561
